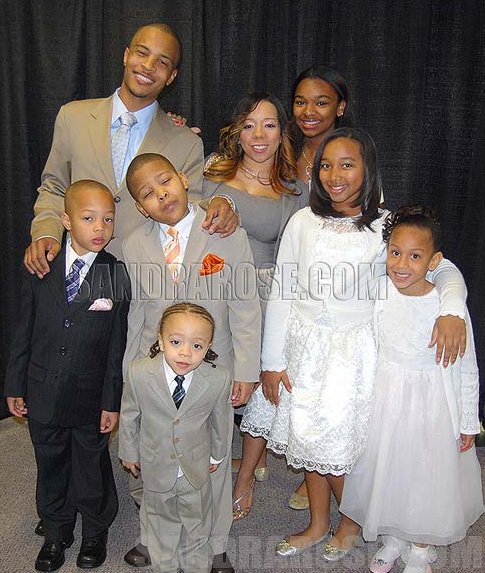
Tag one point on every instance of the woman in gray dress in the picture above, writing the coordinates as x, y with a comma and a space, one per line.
255, 167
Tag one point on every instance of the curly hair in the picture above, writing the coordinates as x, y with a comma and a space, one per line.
223, 166
419, 216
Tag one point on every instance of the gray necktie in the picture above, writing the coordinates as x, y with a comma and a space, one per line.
119, 144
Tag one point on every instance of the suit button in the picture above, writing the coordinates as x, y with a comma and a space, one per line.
175, 422
63, 350
117, 198
67, 323
176, 440
173, 457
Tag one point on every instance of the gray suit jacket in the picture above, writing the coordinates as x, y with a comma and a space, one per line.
229, 295
163, 438
81, 149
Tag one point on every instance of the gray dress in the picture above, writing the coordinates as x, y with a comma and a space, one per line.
263, 219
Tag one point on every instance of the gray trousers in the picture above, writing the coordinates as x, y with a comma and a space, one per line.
178, 525
221, 482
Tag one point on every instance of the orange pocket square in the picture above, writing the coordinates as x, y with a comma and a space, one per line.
211, 264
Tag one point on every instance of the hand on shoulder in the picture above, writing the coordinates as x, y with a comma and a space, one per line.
39, 254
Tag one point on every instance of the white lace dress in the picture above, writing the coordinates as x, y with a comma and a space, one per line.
412, 482
319, 327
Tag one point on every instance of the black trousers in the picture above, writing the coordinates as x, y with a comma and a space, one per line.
74, 474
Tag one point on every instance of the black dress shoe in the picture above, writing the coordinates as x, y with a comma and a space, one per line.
222, 564
51, 556
138, 556
92, 553
40, 529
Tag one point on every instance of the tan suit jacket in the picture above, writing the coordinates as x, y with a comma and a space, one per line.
163, 438
81, 149
230, 295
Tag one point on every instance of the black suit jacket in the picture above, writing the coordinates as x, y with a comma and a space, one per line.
66, 361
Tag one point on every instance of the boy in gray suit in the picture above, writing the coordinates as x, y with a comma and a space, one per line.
171, 259
174, 424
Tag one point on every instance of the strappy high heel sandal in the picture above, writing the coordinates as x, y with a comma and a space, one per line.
238, 511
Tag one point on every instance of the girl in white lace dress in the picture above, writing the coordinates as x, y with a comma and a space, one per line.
418, 479
319, 339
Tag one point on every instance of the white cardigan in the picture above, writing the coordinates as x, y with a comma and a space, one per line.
292, 284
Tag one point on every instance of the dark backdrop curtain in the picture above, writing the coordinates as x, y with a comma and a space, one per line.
416, 69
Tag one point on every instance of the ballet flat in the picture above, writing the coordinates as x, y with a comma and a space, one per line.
378, 565
261, 474
298, 501
285, 549
331, 553
239, 512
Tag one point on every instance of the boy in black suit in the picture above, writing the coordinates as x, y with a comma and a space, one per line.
65, 373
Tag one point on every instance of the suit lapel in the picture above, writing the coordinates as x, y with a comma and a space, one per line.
198, 387
152, 245
100, 132
56, 279
155, 140
157, 382
193, 255
196, 245
155, 137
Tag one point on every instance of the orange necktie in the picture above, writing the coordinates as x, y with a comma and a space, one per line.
171, 250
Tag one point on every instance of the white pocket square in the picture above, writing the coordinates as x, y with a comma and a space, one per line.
102, 304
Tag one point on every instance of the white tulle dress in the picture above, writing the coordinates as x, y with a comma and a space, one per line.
412, 482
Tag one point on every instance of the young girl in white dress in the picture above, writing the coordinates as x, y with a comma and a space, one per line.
319, 336
418, 481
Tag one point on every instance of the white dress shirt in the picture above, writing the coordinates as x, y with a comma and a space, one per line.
71, 256
183, 227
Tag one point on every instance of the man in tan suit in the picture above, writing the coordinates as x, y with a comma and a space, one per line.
82, 147
215, 273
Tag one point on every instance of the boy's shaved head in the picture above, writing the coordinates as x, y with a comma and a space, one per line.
74, 191
140, 161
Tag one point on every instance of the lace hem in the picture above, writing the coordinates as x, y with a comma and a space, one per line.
309, 465
254, 431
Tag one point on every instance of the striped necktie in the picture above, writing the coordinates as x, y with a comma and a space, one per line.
179, 392
119, 144
171, 250
73, 280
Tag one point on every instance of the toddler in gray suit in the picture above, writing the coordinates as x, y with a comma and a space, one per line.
174, 426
